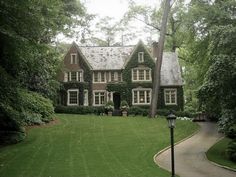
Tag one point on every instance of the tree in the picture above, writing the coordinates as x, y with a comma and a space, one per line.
157, 70
28, 58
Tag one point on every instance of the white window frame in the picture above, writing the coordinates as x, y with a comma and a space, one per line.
68, 97
141, 57
99, 77
144, 71
145, 96
85, 97
71, 58
165, 92
77, 76
99, 91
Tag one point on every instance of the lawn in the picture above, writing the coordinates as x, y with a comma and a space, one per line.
92, 146
217, 154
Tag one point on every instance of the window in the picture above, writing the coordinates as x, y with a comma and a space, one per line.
72, 97
170, 96
140, 57
73, 58
85, 97
141, 74
115, 76
141, 96
99, 77
99, 98
74, 76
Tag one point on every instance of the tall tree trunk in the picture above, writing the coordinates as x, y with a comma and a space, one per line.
157, 70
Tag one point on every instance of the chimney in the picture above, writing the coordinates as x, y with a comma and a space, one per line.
154, 49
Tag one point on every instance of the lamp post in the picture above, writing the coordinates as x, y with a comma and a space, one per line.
171, 123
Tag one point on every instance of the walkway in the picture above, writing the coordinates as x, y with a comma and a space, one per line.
190, 159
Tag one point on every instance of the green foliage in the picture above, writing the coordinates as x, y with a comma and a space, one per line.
227, 120
231, 132
34, 103
109, 106
231, 150
124, 106
80, 109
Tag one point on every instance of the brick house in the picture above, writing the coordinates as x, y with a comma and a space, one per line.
91, 76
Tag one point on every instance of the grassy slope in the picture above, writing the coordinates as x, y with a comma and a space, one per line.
92, 146
217, 153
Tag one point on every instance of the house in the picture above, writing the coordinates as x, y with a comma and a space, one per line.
94, 75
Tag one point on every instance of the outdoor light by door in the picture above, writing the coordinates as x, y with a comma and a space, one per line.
171, 123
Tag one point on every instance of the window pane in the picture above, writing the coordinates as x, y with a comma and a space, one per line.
147, 74
73, 97
141, 97
167, 96
102, 76
119, 76
135, 74
96, 98
95, 76
148, 96
112, 76
173, 96
73, 76
140, 57
135, 97
141, 74
102, 98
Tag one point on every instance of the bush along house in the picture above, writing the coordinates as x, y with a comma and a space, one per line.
92, 76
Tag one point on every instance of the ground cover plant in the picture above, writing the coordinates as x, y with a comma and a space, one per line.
218, 154
88, 145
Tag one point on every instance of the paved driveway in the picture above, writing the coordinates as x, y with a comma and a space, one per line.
190, 159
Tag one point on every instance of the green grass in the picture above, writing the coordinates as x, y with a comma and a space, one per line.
92, 146
217, 154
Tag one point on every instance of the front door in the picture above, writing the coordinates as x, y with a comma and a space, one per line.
116, 100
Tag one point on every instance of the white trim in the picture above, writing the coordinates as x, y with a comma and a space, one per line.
170, 89
145, 96
68, 97
99, 77
78, 73
71, 58
85, 97
144, 73
99, 91
141, 59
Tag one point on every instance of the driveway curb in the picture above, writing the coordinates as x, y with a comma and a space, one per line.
216, 164
168, 147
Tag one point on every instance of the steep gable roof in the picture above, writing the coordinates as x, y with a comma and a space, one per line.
170, 70
115, 58
106, 58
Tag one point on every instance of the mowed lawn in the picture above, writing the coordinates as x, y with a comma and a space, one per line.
96, 146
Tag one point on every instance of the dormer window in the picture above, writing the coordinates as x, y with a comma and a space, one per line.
140, 57
73, 58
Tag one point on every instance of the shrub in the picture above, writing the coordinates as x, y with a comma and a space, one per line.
35, 103
231, 132
227, 119
32, 118
79, 109
124, 106
135, 110
231, 150
109, 106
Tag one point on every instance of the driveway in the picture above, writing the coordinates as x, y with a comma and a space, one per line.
190, 159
